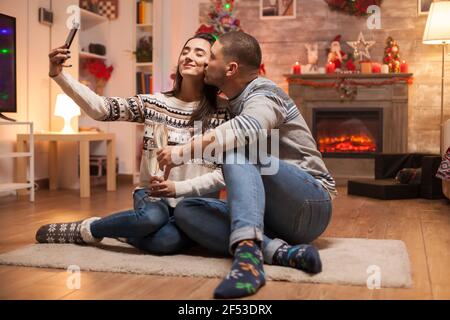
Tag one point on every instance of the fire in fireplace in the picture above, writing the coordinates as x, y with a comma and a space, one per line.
348, 132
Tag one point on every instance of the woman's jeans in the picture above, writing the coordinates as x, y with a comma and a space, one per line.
149, 227
290, 205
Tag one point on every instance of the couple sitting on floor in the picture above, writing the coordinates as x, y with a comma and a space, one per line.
285, 194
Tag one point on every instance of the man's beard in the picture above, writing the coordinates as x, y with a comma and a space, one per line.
208, 80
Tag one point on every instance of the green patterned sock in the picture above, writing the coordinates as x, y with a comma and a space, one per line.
246, 275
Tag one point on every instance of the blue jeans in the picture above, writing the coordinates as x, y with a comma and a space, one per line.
290, 205
149, 227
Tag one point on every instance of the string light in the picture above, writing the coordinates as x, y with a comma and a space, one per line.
5, 51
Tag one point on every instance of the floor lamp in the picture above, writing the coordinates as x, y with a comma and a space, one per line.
437, 31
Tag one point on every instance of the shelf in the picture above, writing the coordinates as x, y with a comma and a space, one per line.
25, 149
15, 155
13, 122
145, 25
88, 55
14, 186
144, 64
90, 19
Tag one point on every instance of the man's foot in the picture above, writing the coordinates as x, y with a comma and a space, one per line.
304, 257
72, 232
246, 275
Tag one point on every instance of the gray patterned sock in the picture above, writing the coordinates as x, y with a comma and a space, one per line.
60, 233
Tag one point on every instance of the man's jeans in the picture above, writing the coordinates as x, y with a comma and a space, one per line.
149, 227
292, 204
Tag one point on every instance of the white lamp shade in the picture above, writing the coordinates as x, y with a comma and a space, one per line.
437, 30
67, 109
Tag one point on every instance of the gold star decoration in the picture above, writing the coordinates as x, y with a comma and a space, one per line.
361, 47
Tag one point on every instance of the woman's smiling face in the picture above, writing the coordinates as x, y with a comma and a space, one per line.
194, 58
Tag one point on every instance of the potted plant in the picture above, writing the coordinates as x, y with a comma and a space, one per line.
101, 72
144, 51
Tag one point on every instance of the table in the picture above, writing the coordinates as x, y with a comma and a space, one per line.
84, 138
28, 160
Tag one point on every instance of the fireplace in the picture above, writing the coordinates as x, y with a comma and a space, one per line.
347, 133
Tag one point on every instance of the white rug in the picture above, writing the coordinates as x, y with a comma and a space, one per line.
345, 261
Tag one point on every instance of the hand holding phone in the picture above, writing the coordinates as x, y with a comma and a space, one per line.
71, 35
58, 56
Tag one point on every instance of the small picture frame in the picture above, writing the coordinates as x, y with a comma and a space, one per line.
89, 5
106, 8
423, 7
278, 9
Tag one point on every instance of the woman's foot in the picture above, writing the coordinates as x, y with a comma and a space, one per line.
72, 232
304, 257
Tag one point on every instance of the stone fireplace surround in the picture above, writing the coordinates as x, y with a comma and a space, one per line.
391, 98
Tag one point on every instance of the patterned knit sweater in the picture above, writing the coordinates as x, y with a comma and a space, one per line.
196, 178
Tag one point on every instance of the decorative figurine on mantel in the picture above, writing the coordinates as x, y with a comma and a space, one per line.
336, 55
313, 58
361, 52
392, 55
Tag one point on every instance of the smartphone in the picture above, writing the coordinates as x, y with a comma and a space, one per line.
71, 35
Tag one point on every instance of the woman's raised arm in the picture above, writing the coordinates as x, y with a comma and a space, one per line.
97, 107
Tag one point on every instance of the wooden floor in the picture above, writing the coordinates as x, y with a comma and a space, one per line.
423, 225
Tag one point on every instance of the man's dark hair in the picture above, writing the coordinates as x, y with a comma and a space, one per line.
242, 47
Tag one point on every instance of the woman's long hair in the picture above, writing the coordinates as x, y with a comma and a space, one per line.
207, 107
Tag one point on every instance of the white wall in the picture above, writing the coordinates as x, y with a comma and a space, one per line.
177, 22
180, 20
36, 93
33, 42
121, 83
67, 151
34, 88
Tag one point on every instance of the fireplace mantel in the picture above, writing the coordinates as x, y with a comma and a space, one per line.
333, 76
389, 93
387, 87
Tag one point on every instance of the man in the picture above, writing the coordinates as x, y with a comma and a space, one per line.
294, 202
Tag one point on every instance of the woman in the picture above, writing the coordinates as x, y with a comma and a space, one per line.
150, 225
